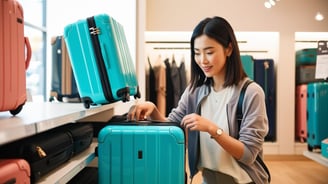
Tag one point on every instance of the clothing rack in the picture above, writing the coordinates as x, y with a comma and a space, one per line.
167, 42
306, 41
171, 48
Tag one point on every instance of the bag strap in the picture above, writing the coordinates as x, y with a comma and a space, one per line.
240, 103
240, 117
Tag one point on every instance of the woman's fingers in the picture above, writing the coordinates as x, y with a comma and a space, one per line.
139, 114
193, 122
136, 112
131, 113
188, 122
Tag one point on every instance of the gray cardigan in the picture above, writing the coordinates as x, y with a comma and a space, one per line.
253, 129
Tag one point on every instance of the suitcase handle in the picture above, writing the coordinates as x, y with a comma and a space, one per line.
28, 53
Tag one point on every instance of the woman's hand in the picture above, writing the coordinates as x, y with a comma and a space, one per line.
196, 122
141, 111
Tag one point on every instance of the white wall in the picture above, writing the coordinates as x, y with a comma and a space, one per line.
251, 15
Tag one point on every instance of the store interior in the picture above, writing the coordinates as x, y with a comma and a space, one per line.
278, 31
163, 28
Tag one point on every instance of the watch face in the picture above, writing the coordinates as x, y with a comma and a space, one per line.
219, 131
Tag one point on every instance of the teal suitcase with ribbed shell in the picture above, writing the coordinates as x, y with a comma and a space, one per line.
147, 153
101, 60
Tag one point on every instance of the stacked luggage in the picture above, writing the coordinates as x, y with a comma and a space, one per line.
46, 151
262, 71
13, 63
305, 66
128, 152
305, 74
311, 100
305, 60
101, 61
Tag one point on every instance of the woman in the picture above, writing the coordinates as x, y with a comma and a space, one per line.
207, 109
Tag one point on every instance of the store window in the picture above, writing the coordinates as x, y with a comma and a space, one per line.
34, 17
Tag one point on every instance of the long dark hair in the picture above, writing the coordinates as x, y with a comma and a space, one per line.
220, 30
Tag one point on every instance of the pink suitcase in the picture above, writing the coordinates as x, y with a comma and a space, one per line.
12, 57
14, 171
300, 112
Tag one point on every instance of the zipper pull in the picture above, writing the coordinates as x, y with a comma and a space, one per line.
40, 152
94, 31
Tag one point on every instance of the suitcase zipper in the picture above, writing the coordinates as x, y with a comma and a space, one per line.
94, 31
40, 152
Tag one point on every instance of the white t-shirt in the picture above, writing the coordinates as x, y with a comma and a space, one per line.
212, 155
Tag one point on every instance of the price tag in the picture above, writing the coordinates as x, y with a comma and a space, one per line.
321, 71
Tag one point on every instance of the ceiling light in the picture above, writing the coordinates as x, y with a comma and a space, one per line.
319, 16
267, 4
270, 3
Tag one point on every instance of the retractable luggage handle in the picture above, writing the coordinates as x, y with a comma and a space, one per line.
28, 52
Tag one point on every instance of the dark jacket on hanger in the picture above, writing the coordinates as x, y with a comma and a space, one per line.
169, 88
176, 82
151, 84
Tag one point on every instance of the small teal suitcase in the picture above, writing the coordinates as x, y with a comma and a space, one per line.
101, 61
317, 112
324, 148
248, 65
146, 153
306, 56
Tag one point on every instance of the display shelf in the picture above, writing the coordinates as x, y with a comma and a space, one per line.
68, 170
39, 117
316, 156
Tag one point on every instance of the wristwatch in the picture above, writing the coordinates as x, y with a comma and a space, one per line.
218, 133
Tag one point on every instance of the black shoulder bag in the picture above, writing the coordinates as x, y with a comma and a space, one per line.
240, 117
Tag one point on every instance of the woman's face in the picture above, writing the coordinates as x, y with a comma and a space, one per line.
211, 56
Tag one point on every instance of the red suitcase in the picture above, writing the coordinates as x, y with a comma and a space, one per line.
14, 171
12, 57
300, 112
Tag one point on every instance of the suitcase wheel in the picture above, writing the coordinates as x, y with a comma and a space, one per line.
86, 105
124, 94
51, 99
87, 102
126, 97
138, 95
17, 110
310, 148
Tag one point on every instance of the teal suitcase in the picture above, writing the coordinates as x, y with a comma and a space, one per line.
324, 148
317, 114
248, 65
146, 153
306, 56
101, 61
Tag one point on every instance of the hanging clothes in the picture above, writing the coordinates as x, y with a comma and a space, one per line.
183, 76
151, 83
169, 87
176, 82
160, 85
